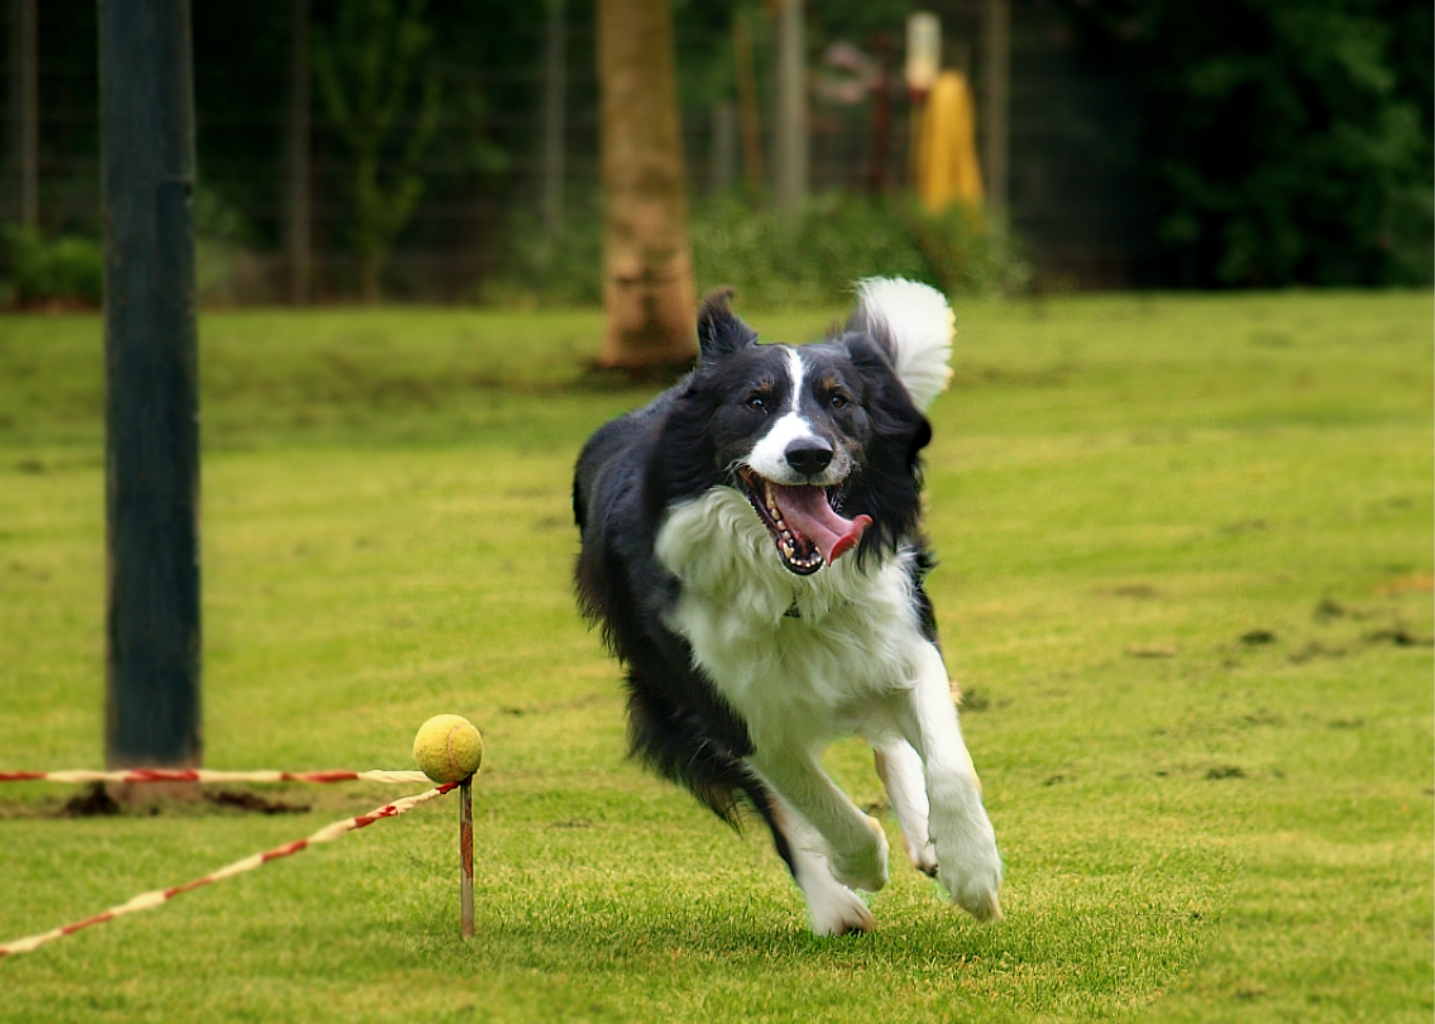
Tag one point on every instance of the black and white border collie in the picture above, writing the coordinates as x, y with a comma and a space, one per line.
752, 549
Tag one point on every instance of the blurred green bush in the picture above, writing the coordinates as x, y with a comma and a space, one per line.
36, 270
1285, 143
773, 259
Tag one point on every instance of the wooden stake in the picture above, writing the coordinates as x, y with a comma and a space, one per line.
465, 850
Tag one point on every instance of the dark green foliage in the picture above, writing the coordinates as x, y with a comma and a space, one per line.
773, 259
811, 258
543, 271
962, 257
365, 68
1286, 142
835, 240
68, 269
241, 93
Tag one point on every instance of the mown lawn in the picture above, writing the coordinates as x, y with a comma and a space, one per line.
1186, 582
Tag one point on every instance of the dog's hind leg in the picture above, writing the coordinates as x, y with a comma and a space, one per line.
900, 768
832, 908
676, 748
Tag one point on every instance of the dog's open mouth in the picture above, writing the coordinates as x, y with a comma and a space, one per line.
805, 525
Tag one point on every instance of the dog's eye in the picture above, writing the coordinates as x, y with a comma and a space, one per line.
756, 403
837, 400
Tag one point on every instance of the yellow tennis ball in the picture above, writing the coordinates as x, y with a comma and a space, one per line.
448, 748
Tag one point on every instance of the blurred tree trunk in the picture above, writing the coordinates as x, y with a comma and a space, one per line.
789, 121
747, 104
647, 266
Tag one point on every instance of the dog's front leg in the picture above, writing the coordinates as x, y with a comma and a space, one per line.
858, 846
900, 768
967, 860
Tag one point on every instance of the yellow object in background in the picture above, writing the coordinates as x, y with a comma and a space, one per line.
947, 168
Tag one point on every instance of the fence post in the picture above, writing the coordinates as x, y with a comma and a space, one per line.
298, 205
790, 142
555, 57
25, 111
996, 62
152, 714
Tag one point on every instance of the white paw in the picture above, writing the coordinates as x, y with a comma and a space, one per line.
924, 858
867, 868
837, 911
971, 870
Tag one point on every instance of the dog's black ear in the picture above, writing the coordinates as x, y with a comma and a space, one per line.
862, 322
890, 406
720, 331
868, 352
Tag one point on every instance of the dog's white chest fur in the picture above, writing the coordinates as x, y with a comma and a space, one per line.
802, 659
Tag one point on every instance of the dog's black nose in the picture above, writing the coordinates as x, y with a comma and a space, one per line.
808, 457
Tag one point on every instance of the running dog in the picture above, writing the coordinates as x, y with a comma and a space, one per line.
752, 548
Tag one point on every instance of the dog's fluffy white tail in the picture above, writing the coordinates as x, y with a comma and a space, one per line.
916, 324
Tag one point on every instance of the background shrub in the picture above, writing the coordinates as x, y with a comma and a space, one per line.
37, 270
1284, 143
773, 259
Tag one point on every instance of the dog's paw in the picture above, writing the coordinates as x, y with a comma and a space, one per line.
924, 858
867, 868
838, 911
971, 870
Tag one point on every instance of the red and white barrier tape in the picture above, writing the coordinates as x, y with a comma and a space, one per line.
205, 775
149, 900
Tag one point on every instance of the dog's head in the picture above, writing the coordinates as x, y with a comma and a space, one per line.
823, 439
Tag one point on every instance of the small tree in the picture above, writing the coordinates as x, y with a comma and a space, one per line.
369, 73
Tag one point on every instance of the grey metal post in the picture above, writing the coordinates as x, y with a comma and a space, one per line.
25, 110
152, 714
790, 124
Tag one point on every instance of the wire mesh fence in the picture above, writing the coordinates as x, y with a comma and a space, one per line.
512, 151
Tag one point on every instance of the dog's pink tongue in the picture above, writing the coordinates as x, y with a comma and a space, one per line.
806, 510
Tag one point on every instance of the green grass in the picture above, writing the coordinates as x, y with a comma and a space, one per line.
1209, 829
